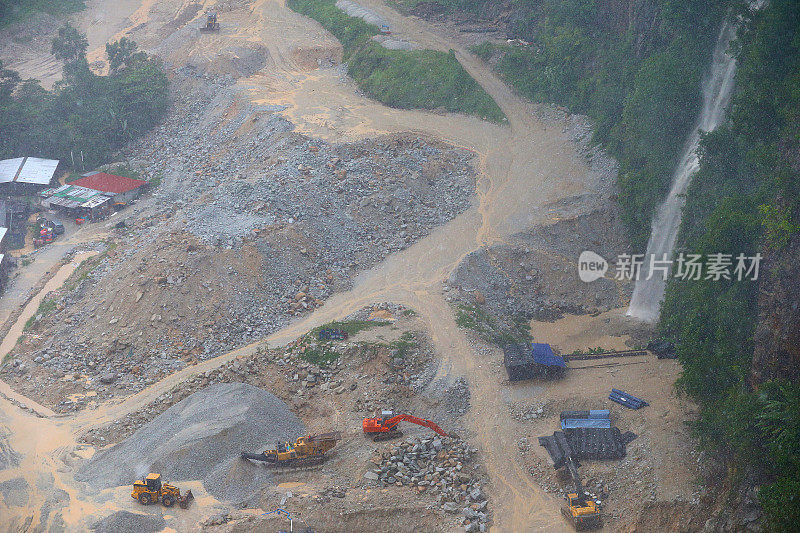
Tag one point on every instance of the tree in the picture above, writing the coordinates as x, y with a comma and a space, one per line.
8, 82
70, 45
123, 52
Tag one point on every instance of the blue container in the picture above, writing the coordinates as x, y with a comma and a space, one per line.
575, 423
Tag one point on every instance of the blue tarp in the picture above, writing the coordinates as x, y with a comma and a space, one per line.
574, 423
628, 400
543, 355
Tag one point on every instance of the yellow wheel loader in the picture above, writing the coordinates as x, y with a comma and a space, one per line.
581, 511
152, 490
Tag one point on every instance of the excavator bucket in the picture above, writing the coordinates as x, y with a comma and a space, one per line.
184, 501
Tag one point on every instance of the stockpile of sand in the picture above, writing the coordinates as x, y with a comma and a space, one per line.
201, 438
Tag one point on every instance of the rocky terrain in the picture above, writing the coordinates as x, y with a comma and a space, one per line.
257, 223
387, 365
365, 376
200, 438
438, 466
241, 236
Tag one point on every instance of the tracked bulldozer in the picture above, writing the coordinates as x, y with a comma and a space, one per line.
212, 24
306, 451
152, 490
384, 427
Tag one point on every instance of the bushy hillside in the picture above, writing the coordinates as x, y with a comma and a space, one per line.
408, 79
85, 116
634, 66
746, 199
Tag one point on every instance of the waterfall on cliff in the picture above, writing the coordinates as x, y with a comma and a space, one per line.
717, 88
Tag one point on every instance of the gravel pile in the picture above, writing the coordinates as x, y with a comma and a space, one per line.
127, 522
252, 224
202, 438
439, 466
534, 274
457, 397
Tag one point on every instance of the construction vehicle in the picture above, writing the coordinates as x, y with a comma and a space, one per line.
306, 451
152, 490
384, 427
211, 23
580, 510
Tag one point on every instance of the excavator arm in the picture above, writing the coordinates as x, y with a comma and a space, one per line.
392, 423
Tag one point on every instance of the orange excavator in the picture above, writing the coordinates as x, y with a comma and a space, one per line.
384, 427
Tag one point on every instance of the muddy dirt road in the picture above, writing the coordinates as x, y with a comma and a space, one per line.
530, 174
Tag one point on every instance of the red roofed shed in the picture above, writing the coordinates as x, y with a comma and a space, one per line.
123, 189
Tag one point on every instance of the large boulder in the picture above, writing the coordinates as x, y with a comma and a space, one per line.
200, 438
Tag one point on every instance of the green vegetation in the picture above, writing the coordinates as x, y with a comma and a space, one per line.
424, 79
476, 318
746, 199
15, 10
85, 116
322, 356
125, 170
640, 83
590, 351
46, 306
350, 31
472, 6
404, 344
350, 327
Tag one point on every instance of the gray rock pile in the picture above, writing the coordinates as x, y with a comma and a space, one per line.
202, 438
301, 215
127, 522
440, 466
309, 215
457, 397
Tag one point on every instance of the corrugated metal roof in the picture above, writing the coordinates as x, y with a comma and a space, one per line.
32, 170
109, 183
72, 196
38, 171
96, 201
9, 169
